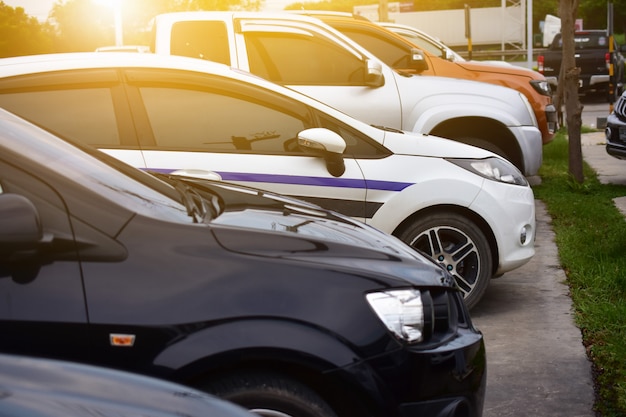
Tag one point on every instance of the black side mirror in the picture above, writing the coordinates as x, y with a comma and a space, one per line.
20, 228
21, 238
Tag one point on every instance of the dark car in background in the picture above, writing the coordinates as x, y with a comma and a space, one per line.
615, 130
36, 387
274, 304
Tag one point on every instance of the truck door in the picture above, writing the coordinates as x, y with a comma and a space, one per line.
315, 62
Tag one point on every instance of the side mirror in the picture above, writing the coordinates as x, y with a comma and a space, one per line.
326, 143
374, 74
417, 61
20, 228
21, 238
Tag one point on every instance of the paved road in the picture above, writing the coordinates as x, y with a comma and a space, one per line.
537, 365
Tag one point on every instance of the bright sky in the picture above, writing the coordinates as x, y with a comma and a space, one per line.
41, 8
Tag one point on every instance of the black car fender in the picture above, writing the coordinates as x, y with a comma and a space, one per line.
267, 342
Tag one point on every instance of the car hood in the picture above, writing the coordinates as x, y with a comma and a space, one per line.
475, 66
296, 230
408, 143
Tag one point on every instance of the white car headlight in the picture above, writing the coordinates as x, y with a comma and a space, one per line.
493, 168
402, 311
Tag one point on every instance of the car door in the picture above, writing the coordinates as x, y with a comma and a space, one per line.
43, 310
310, 60
84, 105
203, 125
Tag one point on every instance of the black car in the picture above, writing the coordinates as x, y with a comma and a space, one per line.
615, 130
35, 387
274, 304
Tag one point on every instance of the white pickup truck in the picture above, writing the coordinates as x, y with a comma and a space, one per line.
309, 56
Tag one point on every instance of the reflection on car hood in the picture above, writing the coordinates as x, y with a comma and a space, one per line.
306, 232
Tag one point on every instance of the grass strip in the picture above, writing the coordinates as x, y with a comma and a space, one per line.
591, 239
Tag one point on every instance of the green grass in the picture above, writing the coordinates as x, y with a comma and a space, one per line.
591, 239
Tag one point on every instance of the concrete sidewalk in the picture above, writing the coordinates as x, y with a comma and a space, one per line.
610, 170
537, 364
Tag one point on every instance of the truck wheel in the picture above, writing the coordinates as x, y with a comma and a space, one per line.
459, 246
270, 395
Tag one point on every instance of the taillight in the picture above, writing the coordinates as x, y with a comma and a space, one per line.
607, 60
540, 63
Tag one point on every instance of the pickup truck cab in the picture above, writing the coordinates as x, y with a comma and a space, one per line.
305, 54
593, 57
396, 51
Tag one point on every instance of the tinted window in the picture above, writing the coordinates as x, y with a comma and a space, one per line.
85, 115
394, 54
201, 39
215, 121
302, 60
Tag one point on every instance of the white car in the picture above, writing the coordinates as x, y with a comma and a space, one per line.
469, 209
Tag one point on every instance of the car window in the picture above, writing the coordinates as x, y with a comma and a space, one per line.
201, 39
200, 120
298, 59
423, 43
392, 53
85, 115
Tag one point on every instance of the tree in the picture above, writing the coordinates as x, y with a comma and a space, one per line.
568, 88
84, 25
21, 34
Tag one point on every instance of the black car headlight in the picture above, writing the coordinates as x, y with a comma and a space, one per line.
402, 312
492, 168
542, 87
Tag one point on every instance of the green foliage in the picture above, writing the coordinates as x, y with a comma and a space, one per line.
591, 237
21, 34
83, 25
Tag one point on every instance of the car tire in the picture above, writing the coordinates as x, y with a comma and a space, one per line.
270, 395
458, 244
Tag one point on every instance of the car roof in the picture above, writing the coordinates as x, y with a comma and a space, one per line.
45, 63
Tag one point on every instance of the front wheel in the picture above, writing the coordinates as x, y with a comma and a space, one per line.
459, 246
270, 395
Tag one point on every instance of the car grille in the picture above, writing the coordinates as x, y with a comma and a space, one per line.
446, 312
620, 107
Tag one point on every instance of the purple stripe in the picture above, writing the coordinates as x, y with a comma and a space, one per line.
301, 180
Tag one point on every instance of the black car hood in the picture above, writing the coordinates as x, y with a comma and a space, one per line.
255, 222
275, 226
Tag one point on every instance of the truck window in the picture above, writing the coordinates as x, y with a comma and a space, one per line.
201, 39
292, 59
392, 53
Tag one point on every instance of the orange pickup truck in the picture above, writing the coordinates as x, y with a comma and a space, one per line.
401, 54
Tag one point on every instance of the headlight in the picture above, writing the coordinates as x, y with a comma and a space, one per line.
492, 168
402, 311
542, 87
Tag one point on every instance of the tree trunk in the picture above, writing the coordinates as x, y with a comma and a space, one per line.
570, 76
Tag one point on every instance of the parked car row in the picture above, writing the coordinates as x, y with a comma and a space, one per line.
309, 56
467, 208
391, 43
278, 305
270, 250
